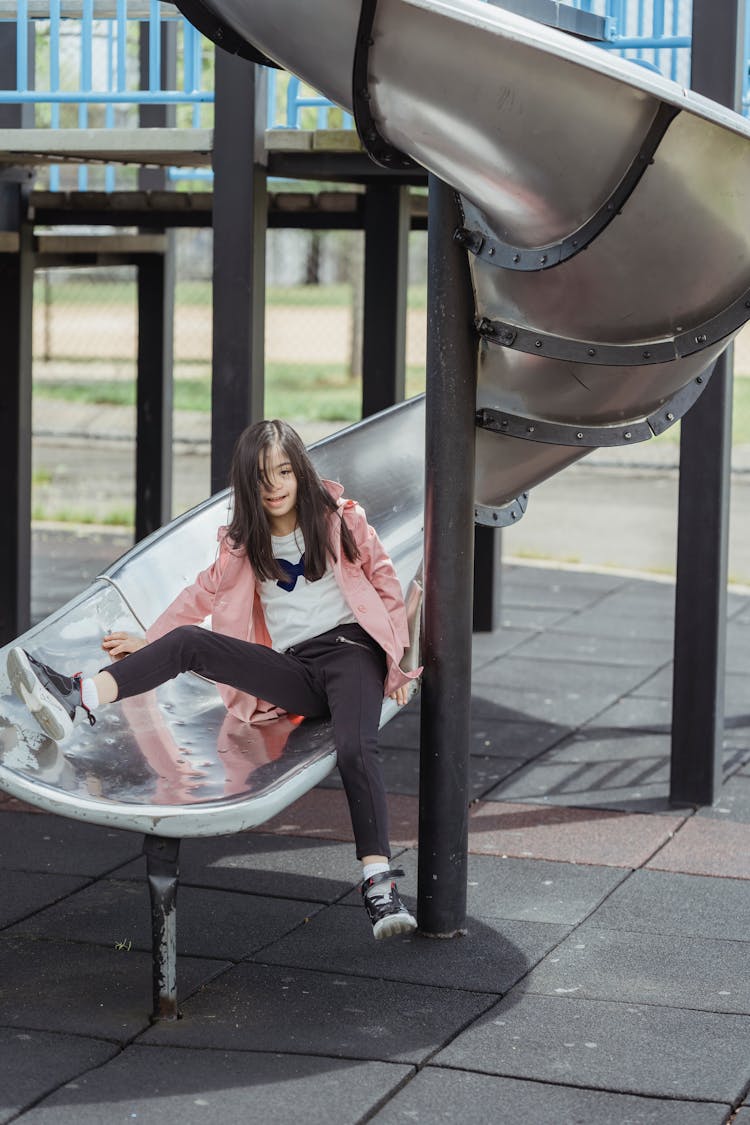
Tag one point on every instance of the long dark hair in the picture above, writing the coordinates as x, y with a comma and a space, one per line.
250, 527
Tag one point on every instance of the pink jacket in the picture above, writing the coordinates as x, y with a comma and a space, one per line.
227, 591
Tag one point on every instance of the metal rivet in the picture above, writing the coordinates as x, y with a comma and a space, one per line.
627, 435
747, 304
516, 257
699, 379
579, 435
543, 259
219, 32
529, 429
491, 251
670, 417
591, 351
647, 355
574, 242
494, 516
538, 344
504, 422
701, 339
512, 515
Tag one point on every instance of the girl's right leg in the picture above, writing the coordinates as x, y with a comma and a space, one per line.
277, 677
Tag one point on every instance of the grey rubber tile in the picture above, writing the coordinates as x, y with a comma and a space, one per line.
659, 686
634, 711
678, 972
626, 747
541, 587
84, 989
437, 1095
491, 958
533, 617
495, 730
268, 1008
489, 646
663, 902
224, 925
640, 597
264, 864
620, 622
25, 892
401, 772
640, 785
733, 802
527, 890
628, 1048
612, 648
566, 693
42, 842
738, 647
35, 1063
160, 1084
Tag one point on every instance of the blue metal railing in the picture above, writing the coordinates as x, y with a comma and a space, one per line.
92, 63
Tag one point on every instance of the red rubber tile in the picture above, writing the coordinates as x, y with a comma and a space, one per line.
705, 846
612, 839
324, 814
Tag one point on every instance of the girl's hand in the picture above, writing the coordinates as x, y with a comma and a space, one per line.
118, 645
401, 695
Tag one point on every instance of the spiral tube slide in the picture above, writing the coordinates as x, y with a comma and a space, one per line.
604, 209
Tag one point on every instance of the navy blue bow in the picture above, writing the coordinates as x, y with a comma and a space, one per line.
293, 572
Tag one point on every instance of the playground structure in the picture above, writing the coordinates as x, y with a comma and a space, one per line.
521, 311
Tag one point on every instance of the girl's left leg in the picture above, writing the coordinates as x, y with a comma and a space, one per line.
353, 671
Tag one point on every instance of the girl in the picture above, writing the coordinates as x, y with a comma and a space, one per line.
307, 617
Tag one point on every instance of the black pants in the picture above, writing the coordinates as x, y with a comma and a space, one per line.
339, 673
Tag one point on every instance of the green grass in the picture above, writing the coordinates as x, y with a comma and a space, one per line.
117, 517
90, 292
313, 392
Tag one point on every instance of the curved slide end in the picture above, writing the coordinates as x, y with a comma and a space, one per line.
607, 277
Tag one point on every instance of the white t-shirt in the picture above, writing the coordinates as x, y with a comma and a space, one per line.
310, 608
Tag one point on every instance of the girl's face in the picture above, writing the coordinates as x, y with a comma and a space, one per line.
278, 490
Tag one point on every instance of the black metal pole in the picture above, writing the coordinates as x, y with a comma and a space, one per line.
153, 451
705, 463
240, 220
162, 873
386, 222
156, 296
16, 297
487, 585
448, 572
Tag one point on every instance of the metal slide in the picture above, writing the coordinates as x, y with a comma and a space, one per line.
604, 209
173, 762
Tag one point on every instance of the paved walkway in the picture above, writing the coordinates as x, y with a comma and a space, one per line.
603, 977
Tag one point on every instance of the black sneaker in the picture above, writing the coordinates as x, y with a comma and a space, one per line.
50, 697
384, 908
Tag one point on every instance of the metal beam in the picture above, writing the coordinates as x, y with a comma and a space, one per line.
240, 211
153, 446
386, 223
487, 570
16, 294
448, 570
705, 461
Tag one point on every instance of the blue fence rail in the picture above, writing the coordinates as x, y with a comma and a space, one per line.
90, 63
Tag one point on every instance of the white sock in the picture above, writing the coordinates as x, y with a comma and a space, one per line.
89, 694
370, 869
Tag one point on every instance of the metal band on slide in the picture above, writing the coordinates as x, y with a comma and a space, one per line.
376, 146
594, 437
507, 256
647, 352
488, 516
